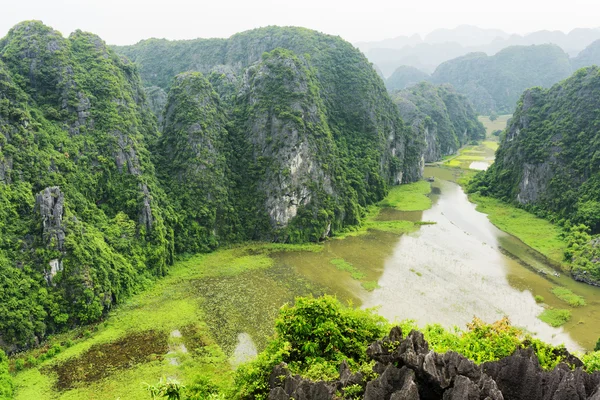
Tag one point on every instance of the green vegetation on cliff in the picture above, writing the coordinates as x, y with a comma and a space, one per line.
547, 162
81, 213
444, 119
334, 141
289, 136
192, 163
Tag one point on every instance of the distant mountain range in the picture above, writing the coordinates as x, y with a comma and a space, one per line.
445, 44
495, 83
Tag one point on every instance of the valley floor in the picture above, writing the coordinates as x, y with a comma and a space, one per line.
166, 332
201, 318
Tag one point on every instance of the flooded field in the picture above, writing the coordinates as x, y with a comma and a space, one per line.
461, 266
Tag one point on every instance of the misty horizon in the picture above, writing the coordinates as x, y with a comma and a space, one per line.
128, 22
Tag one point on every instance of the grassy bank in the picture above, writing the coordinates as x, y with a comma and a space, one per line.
409, 197
535, 232
147, 332
176, 329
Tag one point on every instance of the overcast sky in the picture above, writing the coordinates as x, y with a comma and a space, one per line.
128, 21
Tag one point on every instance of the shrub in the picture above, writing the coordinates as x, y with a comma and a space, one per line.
323, 328
539, 299
591, 361
19, 364
555, 317
313, 336
481, 342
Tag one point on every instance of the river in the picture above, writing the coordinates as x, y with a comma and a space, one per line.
447, 272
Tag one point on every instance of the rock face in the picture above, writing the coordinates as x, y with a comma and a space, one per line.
442, 118
157, 100
358, 108
79, 199
192, 162
281, 95
408, 370
50, 205
547, 156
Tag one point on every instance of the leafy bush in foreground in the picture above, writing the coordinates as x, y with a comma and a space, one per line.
313, 337
316, 334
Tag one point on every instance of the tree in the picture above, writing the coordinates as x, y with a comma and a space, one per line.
493, 116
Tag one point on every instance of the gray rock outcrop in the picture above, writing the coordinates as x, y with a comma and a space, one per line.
49, 203
408, 370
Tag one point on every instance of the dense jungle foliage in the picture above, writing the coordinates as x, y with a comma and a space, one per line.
549, 162
442, 116
82, 216
96, 200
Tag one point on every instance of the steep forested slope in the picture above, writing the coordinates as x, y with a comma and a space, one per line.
495, 83
81, 212
96, 200
444, 118
330, 101
549, 157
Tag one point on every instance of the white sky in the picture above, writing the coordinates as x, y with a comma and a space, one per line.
128, 21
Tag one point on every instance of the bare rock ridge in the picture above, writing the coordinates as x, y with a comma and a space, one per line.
50, 204
408, 370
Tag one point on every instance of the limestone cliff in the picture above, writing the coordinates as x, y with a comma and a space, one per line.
444, 119
192, 162
80, 207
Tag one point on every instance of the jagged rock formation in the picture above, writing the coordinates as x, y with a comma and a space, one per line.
495, 83
443, 118
406, 369
292, 158
405, 76
50, 204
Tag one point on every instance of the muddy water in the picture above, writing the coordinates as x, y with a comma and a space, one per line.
446, 273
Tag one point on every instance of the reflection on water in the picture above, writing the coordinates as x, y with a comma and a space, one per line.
449, 272
479, 165
454, 270
446, 273
244, 351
